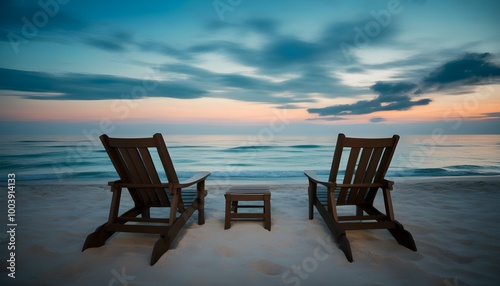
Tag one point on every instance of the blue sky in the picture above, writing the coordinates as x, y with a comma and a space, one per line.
235, 65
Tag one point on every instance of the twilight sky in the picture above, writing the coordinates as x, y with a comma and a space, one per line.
230, 66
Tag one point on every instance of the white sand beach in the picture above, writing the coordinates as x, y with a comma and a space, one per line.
454, 222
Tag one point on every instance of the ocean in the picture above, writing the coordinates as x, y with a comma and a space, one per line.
231, 159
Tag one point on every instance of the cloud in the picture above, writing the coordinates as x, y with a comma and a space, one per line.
492, 115
393, 90
14, 16
469, 69
392, 96
106, 44
115, 42
77, 86
278, 55
377, 119
262, 26
281, 52
328, 118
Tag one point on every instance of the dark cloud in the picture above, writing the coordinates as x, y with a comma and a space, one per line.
393, 89
466, 70
377, 119
469, 69
15, 16
492, 115
115, 42
240, 87
281, 54
106, 44
77, 86
291, 53
392, 96
327, 118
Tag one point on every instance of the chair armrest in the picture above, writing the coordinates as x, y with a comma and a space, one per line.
312, 176
196, 178
121, 184
388, 183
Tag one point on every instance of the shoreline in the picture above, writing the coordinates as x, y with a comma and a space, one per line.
278, 181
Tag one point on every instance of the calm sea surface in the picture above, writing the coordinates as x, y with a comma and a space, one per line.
71, 159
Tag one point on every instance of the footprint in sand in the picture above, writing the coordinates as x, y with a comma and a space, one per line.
226, 251
267, 267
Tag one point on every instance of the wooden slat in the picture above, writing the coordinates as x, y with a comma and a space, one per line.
142, 173
351, 165
374, 163
131, 142
247, 215
134, 175
141, 219
368, 142
360, 173
249, 206
368, 225
138, 228
153, 175
365, 217
350, 168
337, 158
127, 177
166, 161
370, 173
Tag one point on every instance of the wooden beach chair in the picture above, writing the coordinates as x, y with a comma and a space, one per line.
367, 163
134, 164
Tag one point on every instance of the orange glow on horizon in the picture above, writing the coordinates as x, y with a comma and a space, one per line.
472, 106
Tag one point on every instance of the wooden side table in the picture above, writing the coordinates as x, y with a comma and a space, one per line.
248, 193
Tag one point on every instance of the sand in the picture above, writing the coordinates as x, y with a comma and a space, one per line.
454, 222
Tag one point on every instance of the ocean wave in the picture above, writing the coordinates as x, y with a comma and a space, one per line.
250, 147
266, 147
444, 172
38, 141
76, 175
188, 146
306, 146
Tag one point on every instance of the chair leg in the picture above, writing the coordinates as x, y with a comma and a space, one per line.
345, 246
267, 212
227, 220
336, 229
98, 237
200, 189
162, 245
173, 207
403, 236
312, 196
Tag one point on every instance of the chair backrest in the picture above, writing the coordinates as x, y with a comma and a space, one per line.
368, 161
133, 162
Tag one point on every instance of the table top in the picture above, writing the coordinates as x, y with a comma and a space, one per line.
249, 190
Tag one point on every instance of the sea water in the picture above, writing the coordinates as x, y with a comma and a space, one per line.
69, 159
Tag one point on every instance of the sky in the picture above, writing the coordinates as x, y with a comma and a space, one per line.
240, 66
